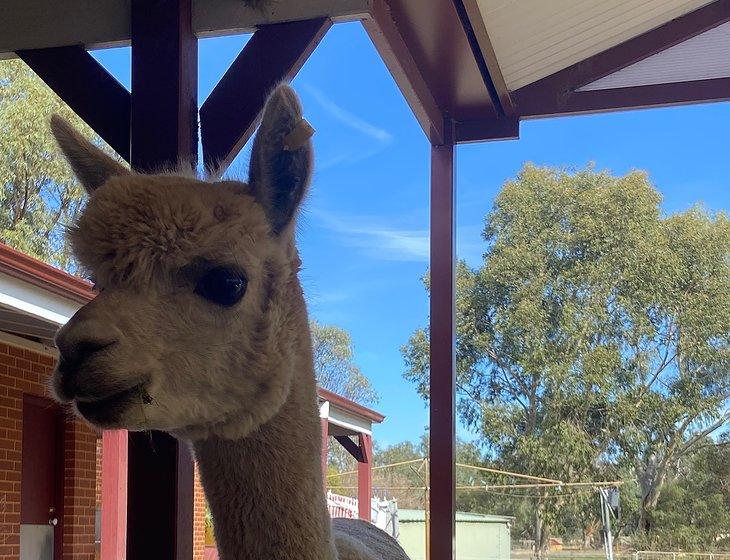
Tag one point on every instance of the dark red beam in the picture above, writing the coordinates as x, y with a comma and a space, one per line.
164, 128
85, 86
555, 87
442, 343
164, 84
275, 53
618, 99
503, 128
352, 448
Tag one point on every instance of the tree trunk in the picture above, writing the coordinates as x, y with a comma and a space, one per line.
540, 531
649, 499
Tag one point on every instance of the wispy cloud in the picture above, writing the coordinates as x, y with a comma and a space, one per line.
386, 242
382, 137
346, 117
374, 238
314, 298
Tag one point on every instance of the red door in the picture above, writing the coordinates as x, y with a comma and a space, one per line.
40, 488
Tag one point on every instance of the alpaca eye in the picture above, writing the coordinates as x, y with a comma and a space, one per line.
222, 286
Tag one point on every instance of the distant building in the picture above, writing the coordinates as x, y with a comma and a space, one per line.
478, 536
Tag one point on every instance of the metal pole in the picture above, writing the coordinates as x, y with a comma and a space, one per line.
606, 514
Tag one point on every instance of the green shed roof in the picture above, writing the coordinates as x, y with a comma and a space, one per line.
418, 515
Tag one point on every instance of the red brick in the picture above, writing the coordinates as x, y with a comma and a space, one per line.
15, 351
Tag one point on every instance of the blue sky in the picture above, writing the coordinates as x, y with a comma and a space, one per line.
364, 235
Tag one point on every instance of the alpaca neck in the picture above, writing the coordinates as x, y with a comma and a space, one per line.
265, 490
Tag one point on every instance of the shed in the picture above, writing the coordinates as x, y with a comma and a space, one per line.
478, 536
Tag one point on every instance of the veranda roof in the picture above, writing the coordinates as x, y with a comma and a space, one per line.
486, 64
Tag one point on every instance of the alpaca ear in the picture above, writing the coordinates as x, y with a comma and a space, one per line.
91, 166
281, 160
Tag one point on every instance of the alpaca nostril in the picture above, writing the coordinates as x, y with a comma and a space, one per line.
86, 348
70, 359
75, 355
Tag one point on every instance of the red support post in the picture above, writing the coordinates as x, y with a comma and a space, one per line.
443, 361
365, 477
325, 449
164, 132
114, 495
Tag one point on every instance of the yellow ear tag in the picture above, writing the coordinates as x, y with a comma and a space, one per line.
302, 132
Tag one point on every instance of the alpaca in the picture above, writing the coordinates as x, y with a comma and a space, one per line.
200, 329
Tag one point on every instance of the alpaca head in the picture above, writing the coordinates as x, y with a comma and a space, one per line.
190, 331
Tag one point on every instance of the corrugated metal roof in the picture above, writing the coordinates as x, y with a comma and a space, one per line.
535, 38
704, 57
418, 515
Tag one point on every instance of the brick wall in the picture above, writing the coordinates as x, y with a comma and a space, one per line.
25, 371
79, 489
198, 519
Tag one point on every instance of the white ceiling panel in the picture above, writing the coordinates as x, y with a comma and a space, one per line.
704, 57
535, 38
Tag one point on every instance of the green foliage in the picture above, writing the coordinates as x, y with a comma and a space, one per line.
336, 371
693, 512
593, 341
334, 365
38, 193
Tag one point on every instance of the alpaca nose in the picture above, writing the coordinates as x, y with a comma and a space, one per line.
71, 358
73, 355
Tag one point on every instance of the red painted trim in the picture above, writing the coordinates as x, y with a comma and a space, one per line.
114, 494
555, 88
442, 360
365, 477
274, 54
85, 85
31, 270
350, 406
325, 450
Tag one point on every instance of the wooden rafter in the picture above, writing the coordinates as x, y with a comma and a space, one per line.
85, 86
394, 51
352, 448
635, 97
230, 114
